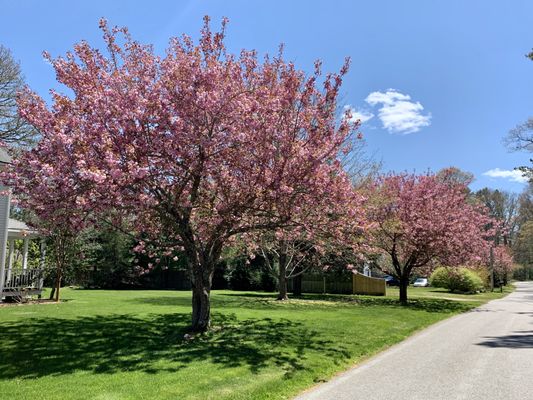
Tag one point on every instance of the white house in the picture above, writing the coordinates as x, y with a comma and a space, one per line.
22, 281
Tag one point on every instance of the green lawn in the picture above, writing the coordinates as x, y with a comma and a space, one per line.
436, 293
129, 344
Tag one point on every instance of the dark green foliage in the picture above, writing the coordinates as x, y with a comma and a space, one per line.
165, 278
242, 277
219, 277
109, 260
523, 273
244, 274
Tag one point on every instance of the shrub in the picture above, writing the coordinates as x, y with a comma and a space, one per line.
439, 278
462, 280
467, 282
484, 274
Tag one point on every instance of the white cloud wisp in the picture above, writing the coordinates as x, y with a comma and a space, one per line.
511, 175
398, 113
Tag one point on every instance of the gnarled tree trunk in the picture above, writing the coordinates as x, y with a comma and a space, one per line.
201, 302
202, 268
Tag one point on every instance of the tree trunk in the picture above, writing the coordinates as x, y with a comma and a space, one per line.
404, 284
61, 244
202, 277
201, 307
283, 277
201, 261
58, 284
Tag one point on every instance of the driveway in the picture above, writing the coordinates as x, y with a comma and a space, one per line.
484, 354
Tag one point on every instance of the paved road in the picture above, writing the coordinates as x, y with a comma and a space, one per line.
484, 354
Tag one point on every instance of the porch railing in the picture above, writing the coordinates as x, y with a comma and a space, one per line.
22, 280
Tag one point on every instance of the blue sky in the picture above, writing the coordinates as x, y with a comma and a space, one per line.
444, 81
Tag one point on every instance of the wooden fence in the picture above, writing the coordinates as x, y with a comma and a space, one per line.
341, 284
366, 285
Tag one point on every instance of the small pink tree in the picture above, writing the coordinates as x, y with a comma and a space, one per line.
503, 263
199, 145
423, 218
53, 205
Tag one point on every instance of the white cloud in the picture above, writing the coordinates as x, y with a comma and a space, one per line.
397, 112
512, 175
362, 115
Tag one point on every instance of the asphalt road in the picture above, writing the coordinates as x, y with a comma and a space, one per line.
484, 354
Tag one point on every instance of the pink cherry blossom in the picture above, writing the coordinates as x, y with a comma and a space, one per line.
422, 219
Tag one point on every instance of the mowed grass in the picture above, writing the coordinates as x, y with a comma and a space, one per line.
438, 293
130, 344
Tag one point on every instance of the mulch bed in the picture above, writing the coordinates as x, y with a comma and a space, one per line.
28, 302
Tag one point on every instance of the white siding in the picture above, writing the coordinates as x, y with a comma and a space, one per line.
4, 221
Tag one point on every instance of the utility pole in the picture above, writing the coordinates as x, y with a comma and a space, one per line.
491, 269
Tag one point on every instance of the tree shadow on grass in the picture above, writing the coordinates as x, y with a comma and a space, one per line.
108, 344
267, 301
430, 305
255, 301
176, 300
218, 301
